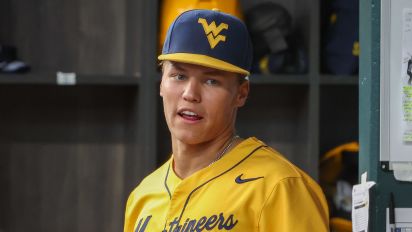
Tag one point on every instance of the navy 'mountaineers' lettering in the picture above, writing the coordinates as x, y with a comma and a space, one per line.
202, 224
211, 222
143, 227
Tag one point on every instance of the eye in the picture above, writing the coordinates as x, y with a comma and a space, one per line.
178, 77
212, 82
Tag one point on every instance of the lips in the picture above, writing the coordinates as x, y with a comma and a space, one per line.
189, 115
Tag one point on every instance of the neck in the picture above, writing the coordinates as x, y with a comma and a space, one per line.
189, 158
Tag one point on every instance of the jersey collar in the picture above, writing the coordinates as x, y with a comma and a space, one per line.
228, 162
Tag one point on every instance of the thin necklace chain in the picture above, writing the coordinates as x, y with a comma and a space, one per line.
223, 152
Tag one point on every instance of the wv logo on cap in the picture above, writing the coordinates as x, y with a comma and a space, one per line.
212, 32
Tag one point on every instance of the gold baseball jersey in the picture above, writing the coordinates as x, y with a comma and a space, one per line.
252, 188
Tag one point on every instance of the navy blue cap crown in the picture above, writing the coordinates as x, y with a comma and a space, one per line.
209, 38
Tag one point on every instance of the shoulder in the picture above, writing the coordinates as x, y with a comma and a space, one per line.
156, 178
287, 187
153, 183
271, 163
277, 169
283, 176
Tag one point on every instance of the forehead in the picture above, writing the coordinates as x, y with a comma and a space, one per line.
194, 68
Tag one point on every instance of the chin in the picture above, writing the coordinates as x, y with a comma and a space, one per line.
188, 137
189, 140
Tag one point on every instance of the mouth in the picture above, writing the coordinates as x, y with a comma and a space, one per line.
189, 115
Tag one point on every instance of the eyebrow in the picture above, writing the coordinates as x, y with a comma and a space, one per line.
214, 73
177, 66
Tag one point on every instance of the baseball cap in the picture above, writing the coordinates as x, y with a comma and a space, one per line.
209, 38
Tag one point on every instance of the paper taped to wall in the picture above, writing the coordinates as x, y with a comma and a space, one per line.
406, 75
360, 204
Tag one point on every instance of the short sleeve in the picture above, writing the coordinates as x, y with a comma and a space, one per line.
295, 205
129, 215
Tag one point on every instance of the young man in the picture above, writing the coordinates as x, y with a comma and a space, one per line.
215, 180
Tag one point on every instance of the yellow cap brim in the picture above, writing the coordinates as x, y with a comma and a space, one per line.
203, 60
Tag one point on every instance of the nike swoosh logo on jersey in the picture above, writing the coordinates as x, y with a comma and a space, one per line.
239, 179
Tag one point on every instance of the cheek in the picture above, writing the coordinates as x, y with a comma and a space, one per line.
166, 98
170, 98
167, 104
221, 105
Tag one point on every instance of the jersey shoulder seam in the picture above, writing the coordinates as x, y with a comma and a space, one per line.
276, 156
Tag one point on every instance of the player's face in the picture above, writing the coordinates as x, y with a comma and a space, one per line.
200, 103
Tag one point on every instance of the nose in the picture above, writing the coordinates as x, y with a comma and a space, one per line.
191, 91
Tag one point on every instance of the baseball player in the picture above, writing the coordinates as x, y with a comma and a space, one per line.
215, 180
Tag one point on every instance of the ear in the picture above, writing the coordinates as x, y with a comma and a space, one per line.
243, 93
161, 87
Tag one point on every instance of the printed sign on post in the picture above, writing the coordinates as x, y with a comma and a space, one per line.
406, 75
